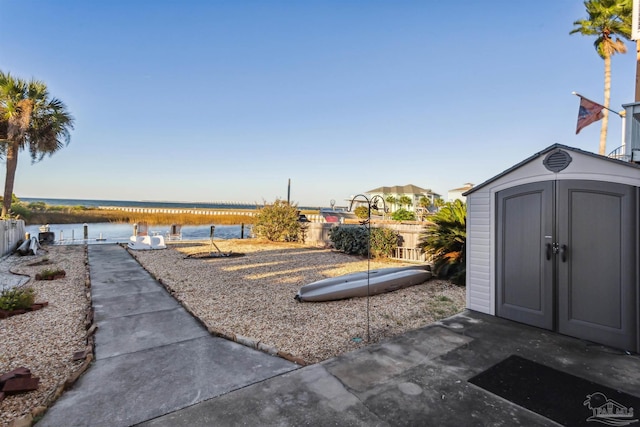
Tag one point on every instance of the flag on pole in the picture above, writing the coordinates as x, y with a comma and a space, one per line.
588, 113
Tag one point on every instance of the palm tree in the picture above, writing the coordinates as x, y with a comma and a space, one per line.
445, 240
29, 119
607, 18
391, 201
405, 200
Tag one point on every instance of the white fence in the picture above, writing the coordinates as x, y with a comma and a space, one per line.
11, 231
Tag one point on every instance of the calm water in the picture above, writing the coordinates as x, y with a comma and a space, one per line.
120, 233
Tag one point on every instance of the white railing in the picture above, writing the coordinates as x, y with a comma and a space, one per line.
410, 254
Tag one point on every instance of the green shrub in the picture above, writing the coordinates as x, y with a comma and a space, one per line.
37, 206
16, 298
49, 274
354, 240
18, 210
384, 242
403, 215
350, 239
277, 222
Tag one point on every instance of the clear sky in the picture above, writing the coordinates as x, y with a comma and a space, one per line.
227, 100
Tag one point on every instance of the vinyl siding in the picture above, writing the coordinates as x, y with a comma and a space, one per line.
479, 288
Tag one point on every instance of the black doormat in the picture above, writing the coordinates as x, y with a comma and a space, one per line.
562, 397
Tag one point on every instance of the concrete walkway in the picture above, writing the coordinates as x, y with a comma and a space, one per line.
152, 356
416, 379
157, 367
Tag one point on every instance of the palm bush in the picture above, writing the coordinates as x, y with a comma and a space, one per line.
444, 239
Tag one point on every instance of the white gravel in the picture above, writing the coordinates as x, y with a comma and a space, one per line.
45, 340
253, 296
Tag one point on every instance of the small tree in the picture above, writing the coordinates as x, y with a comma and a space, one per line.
361, 212
277, 222
384, 242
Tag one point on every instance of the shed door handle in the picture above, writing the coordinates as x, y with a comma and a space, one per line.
549, 250
563, 253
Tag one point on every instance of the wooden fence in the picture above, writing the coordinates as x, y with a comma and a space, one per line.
11, 231
408, 250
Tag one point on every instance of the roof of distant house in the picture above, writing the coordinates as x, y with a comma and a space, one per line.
465, 187
401, 189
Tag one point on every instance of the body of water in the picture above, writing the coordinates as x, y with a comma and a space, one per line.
119, 233
147, 204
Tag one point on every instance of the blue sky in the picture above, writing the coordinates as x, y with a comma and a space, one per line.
227, 100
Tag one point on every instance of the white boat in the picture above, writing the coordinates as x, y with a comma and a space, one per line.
362, 283
142, 243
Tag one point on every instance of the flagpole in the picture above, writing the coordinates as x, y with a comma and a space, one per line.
606, 108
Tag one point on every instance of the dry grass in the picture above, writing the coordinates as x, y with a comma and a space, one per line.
106, 215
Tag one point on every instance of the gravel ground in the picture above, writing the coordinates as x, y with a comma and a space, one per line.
253, 296
45, 340
250, 296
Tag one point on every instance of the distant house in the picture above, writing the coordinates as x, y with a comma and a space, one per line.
456, 193
414, 193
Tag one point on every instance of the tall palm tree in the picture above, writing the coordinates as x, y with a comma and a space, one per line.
391, 201
405, 200
29, 119
606, 20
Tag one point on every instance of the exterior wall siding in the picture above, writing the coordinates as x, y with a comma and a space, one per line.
479, 258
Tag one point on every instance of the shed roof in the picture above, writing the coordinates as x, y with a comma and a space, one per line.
544, 152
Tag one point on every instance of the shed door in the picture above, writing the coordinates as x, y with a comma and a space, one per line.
525, 275
566, 259
596, 262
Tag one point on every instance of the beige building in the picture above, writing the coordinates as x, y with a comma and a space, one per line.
457, 193
414, 193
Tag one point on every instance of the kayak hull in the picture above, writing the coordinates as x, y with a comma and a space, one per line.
364, 283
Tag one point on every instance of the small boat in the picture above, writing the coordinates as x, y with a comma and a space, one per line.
364, 283
142, 243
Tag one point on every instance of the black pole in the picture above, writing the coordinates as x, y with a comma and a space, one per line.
289, 192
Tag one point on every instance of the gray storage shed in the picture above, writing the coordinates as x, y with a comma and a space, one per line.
553, 242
